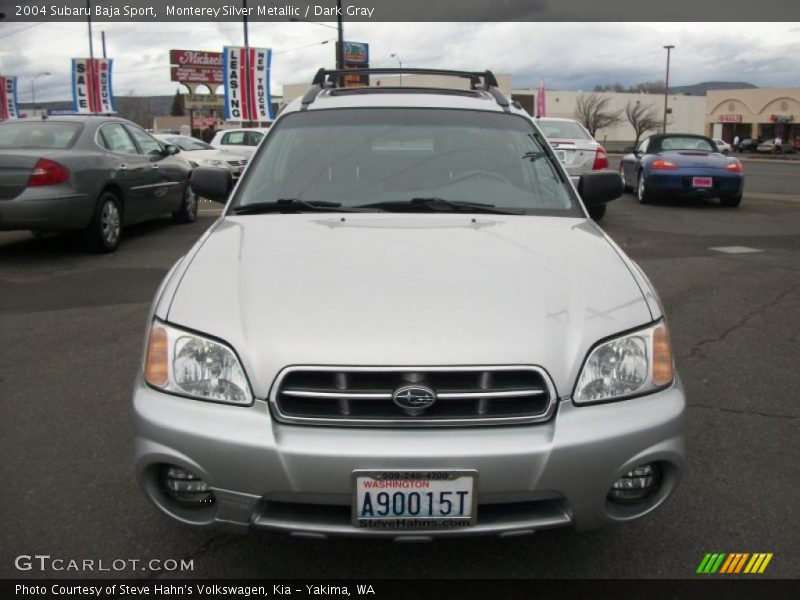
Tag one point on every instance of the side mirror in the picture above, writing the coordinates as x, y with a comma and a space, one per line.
599, 187
214, 183
170, 149
629, 150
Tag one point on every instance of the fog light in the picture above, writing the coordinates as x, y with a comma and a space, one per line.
185, 487
636, 484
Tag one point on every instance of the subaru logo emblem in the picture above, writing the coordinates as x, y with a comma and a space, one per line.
414, 399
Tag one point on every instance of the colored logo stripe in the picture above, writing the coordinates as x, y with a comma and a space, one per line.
734, 563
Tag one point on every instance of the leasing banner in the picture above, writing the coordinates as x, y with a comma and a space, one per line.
8, 98
91, 86
246, 80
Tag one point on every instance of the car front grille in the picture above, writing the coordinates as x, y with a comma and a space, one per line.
365, 396
237, 163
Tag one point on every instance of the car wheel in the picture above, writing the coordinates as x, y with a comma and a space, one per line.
642, 195
104, 232
597, 212
731, 201
187, 213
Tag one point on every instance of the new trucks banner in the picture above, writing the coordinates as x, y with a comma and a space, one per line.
8, 98
91, 86
246, 79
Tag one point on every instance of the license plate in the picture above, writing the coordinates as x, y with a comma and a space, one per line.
561, 155
414, 499
702, 182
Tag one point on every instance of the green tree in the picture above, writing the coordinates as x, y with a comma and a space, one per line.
177, 105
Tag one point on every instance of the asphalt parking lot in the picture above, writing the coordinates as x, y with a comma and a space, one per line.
72, 328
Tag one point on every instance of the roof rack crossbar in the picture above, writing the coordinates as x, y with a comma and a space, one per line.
332, 78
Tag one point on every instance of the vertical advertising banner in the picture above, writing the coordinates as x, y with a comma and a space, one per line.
247, 83
356, 56
91, 86
8, 98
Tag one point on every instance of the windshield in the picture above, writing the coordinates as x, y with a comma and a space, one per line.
566, 130
38, 134
358, 157
186, 143
687, 143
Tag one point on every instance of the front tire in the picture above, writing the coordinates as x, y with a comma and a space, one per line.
187, 213
597, 212
642, 195
104, 232
731, 201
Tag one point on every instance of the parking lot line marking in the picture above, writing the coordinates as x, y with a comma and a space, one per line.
735, 249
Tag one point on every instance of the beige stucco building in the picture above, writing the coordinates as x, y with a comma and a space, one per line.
760, 112
765, 113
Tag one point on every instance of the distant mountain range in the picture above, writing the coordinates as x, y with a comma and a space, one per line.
700, 89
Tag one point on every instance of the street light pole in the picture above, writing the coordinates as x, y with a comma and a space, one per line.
400, 64
666, 87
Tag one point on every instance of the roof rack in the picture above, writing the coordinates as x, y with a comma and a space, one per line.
332, 78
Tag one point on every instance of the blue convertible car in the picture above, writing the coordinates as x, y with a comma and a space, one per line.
678, 165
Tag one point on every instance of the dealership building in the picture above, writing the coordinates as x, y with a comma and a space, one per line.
764, 113
722, 114
686, 113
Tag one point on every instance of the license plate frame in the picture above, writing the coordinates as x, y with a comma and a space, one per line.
561, 155
393, 522
702, 183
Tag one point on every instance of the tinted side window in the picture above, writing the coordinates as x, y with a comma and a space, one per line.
116, 139
148, 144
234, 138
254, 138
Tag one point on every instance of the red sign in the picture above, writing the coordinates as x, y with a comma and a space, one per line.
193, 66
196, 75
195, 58
730, 118
205, 122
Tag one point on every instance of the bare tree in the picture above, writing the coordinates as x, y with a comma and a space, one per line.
642, 118
593, 112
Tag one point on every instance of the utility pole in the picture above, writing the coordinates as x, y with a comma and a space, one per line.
103, 37
340, 44
666, 88
246, 62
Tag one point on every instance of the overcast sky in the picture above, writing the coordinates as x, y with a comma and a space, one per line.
567, 55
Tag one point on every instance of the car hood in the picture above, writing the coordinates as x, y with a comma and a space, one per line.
407, 290
212, 155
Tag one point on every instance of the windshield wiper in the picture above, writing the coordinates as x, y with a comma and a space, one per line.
438, 205
291, 205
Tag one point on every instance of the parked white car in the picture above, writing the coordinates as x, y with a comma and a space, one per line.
243, 141
205, 155
723, 146
577, 150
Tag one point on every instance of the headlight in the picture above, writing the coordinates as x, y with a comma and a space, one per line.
630, 365
192, 365
211, 162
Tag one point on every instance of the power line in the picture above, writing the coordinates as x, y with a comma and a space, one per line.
25, 29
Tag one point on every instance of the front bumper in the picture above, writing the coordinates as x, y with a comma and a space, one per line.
297, 479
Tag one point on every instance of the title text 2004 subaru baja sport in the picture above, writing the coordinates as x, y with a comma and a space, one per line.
405, 325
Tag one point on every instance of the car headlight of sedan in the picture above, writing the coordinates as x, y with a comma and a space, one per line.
193, 365
629, 365
212, 162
